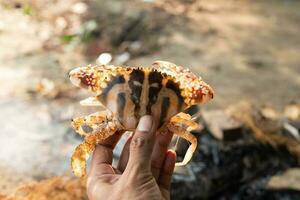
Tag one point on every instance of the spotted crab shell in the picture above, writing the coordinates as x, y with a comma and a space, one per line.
162, 90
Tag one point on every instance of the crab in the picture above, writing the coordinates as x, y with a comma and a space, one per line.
162, 90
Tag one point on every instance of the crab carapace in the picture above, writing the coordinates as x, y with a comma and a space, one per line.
162, 90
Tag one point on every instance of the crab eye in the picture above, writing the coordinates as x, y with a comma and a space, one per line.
154, 85
136, 83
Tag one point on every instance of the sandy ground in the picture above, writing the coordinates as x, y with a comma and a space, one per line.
244, 49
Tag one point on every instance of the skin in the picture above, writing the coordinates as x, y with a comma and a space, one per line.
136, 176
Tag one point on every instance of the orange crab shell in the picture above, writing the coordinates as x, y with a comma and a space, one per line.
138, 91
193, 89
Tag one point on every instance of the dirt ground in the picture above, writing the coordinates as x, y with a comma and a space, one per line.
245, 50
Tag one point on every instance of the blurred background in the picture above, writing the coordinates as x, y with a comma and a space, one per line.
248, 51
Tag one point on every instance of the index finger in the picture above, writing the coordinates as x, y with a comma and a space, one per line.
103, 155
159, 152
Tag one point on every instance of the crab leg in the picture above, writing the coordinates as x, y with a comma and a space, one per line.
185, 121
80, 156
181, 125
189, 137
91, 101
99, 133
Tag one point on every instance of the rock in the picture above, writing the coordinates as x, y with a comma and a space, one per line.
292, 111
267, 119
221, 125
184, 173
288, 180
232, 170
104, 59
122, 58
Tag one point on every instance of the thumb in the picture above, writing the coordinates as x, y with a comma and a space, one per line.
142, 145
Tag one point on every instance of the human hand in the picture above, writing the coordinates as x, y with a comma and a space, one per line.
144, 170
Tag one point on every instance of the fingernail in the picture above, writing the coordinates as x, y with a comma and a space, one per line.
145, 123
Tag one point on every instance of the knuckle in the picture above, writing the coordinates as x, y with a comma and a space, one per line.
138, 142
156, 165
165, 186
162, 144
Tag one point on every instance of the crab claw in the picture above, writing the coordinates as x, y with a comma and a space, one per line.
74, 78
202, 94
85, 77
